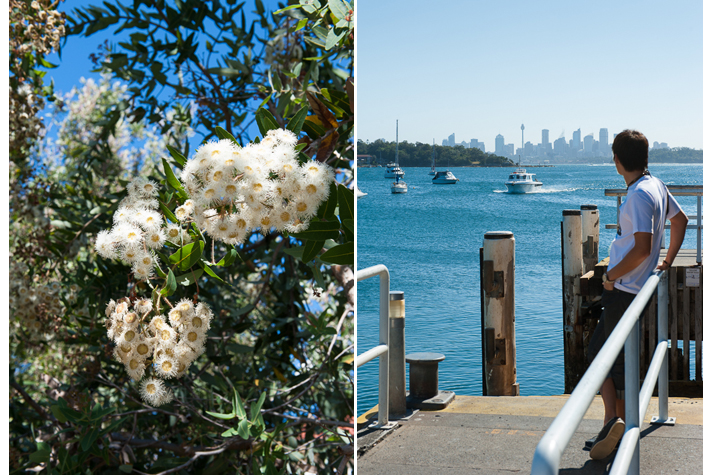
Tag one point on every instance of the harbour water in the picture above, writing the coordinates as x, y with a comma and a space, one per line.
429, 239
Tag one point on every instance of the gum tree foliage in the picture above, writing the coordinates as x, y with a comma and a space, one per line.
273, 392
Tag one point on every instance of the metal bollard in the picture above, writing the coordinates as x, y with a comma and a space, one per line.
572, 265
424, 382
398, 380
498, 314
590, 236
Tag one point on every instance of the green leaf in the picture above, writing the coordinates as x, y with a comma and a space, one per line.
350, 224
311, 249
229, 432
320, 231
333, 38
98, 413
172, 181
223, 134
170, 284
338, 8
41, 456
208, 270
189, 278
188, 255
256, 408
127, 468
344, 254
177, 156
243, 429
231, 415
296, 123
87, 441
229, 258
57, 411
296, 252
266, 121
346, 202
239, 406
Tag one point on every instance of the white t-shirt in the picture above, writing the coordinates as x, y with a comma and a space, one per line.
644, 210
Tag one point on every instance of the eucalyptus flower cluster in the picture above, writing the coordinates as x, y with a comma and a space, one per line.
234, 191
36, 304
138, 230
168, 344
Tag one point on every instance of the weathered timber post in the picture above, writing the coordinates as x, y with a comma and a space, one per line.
398, 379
590, 236
572, 264
498, 314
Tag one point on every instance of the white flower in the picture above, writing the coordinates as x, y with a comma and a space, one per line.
154, 392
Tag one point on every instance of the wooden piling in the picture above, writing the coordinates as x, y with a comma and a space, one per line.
590, 236
498, 314
573, 328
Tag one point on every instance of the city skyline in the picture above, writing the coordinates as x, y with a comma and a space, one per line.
578, 140
480, 69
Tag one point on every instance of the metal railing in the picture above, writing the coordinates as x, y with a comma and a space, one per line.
676, 190
549, 450
382, 349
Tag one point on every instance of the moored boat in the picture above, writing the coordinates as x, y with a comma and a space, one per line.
444, 177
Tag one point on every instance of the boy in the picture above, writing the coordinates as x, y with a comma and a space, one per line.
632, 259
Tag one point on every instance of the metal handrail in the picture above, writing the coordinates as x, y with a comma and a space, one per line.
549, 450
381, 350
676, 190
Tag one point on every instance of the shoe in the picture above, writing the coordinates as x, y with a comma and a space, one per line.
607, 439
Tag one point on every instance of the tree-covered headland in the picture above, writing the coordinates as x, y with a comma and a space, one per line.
419, 155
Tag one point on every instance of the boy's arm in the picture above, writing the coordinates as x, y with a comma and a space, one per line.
679, 223
634, 258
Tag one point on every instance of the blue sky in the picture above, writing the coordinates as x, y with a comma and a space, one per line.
480, 68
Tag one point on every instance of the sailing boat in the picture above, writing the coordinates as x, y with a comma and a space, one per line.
433, 159
398, 186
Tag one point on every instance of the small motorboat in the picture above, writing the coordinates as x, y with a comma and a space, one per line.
520, 181
444, 178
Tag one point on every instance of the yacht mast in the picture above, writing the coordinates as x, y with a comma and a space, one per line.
433, 155
396, 149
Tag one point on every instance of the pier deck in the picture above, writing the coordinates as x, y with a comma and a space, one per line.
498, 435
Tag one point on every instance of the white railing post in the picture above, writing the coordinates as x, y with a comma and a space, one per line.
383, 414
663, 337
631, 383
382, 349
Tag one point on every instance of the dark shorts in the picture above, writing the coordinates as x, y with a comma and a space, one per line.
614, 303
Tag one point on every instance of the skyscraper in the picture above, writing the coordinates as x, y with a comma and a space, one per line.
500, 145
545, 138
577, 139
603, 141
452, 140
589, 143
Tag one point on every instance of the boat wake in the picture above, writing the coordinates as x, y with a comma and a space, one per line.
542, 191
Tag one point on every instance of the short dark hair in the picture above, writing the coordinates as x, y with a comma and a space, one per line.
631, 149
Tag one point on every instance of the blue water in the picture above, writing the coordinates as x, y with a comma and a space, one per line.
429, 239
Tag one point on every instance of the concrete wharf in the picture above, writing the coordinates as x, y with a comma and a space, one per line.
498, 435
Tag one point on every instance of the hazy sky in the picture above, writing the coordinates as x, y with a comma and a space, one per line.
482, 68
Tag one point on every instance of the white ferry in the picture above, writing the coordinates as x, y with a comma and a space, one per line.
521, 181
